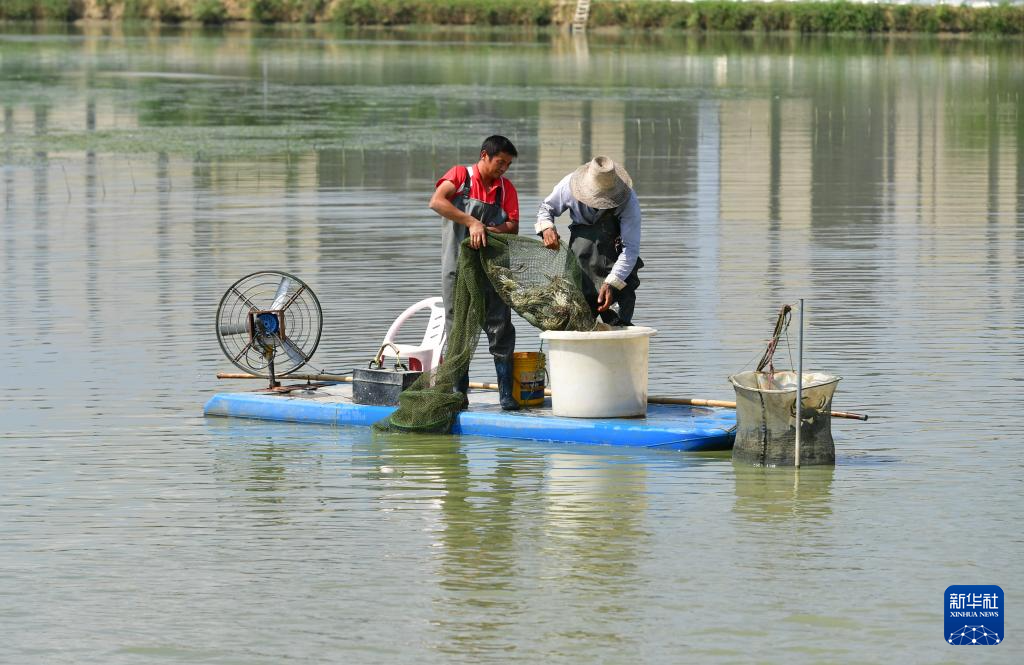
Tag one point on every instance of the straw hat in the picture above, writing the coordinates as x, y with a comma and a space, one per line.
601, 183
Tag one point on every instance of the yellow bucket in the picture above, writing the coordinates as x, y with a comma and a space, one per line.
528, 377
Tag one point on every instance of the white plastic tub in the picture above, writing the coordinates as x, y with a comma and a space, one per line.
599, 374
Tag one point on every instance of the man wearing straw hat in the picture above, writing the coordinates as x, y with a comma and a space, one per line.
604, 234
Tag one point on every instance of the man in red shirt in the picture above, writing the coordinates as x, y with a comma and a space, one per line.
473, 200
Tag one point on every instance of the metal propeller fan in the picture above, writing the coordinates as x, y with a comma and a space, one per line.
269, 324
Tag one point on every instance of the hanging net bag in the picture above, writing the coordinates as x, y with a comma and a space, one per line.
540, 284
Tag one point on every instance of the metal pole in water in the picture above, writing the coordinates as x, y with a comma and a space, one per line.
799, 381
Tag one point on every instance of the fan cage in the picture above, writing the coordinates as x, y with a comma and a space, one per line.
274, 292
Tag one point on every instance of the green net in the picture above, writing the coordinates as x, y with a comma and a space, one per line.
540, 284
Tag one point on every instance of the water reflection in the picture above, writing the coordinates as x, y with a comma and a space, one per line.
771, 496
41, 306
275, 473
508, 520
93, 297
479, 515
477, 500
594, 522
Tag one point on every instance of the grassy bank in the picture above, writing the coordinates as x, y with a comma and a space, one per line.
704, 15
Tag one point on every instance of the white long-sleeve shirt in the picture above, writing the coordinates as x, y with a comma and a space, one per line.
561, 199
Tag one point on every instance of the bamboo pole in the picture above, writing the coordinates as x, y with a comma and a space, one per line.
651, 399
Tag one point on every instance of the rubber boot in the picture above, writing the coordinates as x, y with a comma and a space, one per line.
462, 386
504, 370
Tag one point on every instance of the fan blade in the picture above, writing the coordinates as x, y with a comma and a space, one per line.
234, 329
294, 354
282, 293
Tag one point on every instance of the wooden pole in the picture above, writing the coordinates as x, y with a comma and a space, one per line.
651, 399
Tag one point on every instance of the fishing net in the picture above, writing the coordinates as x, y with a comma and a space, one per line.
540, 284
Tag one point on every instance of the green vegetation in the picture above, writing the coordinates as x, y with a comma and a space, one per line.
170, 11
287, 11
805, 17
209, 12
703, 15
54, 10
446, 12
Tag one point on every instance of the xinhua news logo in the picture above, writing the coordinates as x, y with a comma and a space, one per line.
974, 614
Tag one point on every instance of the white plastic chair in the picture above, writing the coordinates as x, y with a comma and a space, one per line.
427, 355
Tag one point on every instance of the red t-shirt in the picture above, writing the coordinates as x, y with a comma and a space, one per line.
509, 198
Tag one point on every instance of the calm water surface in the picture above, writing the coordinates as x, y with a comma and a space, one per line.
144, 172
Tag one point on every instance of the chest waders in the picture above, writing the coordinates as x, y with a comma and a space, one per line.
501, 334
597, 246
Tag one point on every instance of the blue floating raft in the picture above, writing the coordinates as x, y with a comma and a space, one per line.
666, 427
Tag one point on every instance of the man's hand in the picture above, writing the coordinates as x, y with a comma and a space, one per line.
511, 226
550, 237
477, 234
441, 203
605, 297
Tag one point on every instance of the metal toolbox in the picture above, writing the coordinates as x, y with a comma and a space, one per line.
378, 386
